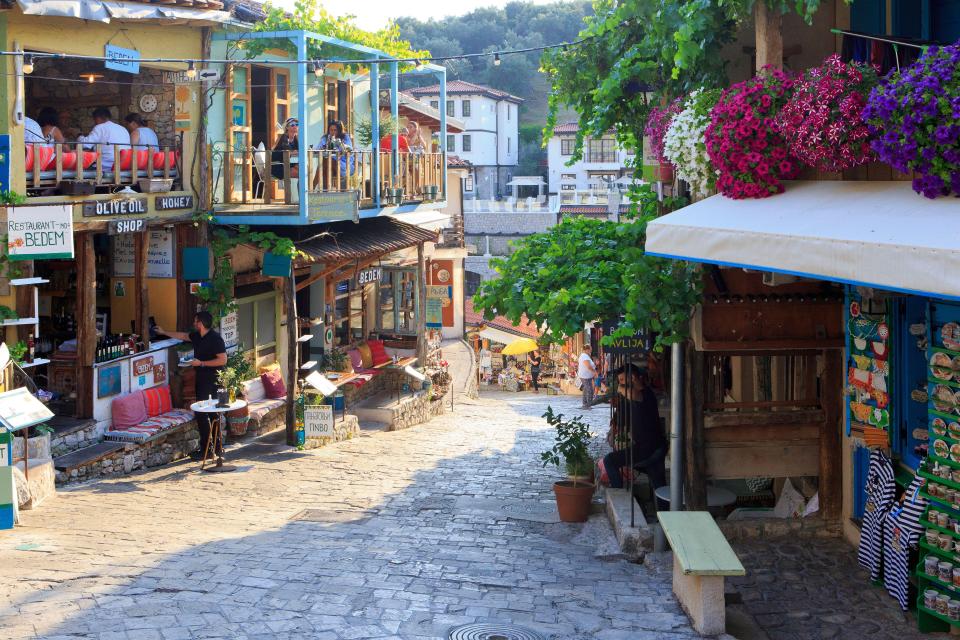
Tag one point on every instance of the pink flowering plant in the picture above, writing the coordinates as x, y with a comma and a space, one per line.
822, 122
743, 141
915, 115
657, 124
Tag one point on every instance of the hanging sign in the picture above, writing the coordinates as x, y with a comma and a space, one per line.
120, 59
167, 203
229, 331
333, 206
124, 207
434, 319
369, 275
318, 421
120, 227
159, 255
40, 233
624, 345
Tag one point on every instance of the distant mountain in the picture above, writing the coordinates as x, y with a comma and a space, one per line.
516, 26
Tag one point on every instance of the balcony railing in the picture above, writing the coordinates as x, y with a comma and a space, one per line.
47, 165
258, 176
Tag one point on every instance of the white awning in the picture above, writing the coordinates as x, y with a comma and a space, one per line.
428, 219
526, 181
876, 234
498, 335
104, 11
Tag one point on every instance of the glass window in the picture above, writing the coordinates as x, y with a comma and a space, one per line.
398, 301
451, 144
331, 94
468, 184
450, 111
281, 86
266, 321
386, 303
257, 326
465, 108
602, 150
508, 145
435, 104
509, 108
245, 326
566, 146
467, 143
356, 314
239, 80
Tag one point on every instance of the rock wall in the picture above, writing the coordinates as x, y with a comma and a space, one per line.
345, 429
413, 410
810, 527
77, 440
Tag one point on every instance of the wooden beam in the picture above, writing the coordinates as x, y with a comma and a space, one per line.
293, 356
140, 291
831, 462
774, 419
86, 316
768, 28
302, 284
421, 308
696, 463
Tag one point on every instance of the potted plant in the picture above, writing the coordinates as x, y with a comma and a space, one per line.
571, 446
237, 371
334, 360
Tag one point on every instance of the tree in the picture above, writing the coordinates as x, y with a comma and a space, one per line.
585, 270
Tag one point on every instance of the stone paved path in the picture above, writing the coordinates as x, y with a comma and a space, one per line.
814, 588
386, 551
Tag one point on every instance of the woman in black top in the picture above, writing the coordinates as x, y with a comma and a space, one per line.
535, 361
289, 141
638, 406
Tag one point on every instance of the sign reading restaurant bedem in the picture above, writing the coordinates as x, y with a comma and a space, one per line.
40, 233
623, 345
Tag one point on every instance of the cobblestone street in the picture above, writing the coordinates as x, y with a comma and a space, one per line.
383, 536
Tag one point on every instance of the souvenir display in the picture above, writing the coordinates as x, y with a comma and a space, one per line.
868, 371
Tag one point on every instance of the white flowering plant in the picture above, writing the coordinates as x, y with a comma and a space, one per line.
684, 146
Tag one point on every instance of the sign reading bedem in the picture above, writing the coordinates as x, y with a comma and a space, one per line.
40, 233
318, 421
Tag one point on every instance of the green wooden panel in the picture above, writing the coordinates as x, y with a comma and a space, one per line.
699, 545
6, 485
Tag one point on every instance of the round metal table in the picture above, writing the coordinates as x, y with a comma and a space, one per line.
217, 427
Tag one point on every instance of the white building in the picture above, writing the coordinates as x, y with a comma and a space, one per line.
602, 164
491, 136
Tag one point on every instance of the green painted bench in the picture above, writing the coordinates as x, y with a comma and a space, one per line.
702, 557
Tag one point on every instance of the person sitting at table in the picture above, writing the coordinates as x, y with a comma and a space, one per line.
49, 121
106, 135
337, 141
32, 133
289, 141
403, 145
141, 135
415, 141
209, 358
638, 404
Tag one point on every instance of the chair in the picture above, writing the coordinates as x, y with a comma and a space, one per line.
260, 164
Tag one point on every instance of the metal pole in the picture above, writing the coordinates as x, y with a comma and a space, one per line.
676, 427
629, 414
375, 131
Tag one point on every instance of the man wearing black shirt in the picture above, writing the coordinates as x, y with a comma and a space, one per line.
209, 358
638, 405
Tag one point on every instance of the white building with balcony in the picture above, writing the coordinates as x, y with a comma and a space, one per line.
602, 165
491, 137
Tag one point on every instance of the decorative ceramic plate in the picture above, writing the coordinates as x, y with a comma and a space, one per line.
941, 448
941, 366
955, 453
921, 434
944, 399
950, 334
953, 430
939, 427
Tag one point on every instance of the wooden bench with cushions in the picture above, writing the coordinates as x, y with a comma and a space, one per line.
144, 414
260, 402
701, 558
369, 358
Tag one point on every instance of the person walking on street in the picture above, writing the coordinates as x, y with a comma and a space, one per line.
535, 361
209, 357
586, 372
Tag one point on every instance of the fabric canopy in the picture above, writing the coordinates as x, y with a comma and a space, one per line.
526, 181
876, 234
497, 335
105, 11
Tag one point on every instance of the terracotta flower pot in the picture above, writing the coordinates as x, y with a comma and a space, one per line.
573, 500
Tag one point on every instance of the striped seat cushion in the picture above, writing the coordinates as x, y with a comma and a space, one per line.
157, 400
150, 427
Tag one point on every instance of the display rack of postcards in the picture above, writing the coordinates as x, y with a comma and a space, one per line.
938, 570
868, 370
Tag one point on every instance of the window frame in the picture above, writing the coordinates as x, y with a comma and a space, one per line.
390, 281
601, 150
257, 348
451, 108
451, 143
465, 108
466, 143
567, 146
435, 104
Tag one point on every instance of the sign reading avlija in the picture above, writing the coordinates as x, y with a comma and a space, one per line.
40, 233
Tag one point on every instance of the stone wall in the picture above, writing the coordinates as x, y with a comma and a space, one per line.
480, 265
86, 437
502, 245
413, 410
516, 222
810, 527
345, 429
165, 448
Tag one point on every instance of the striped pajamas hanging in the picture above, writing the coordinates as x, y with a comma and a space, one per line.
902, 531
880, 489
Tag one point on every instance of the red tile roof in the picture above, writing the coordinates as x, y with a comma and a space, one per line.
457, 161
526, 329
566, 127
589, 209
461, 87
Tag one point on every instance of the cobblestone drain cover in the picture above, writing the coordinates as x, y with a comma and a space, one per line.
333, 517
492, 631
519, 510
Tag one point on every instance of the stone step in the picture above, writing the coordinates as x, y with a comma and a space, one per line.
86, 456
70, 434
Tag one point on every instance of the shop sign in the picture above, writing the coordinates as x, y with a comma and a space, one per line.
5, 453
143, 366
168, 203
330, 207
159, 254
625, 345
124, 207
318, 421
40, 233
120, 227
369, 276
434, 318
120, 59
439, 291
181, 77
229, 331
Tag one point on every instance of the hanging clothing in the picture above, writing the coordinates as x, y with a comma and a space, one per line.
902, 532
880, 489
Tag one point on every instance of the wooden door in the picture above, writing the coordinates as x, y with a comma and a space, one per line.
238, 169
279, 108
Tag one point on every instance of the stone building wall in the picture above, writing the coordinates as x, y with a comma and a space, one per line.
507, 222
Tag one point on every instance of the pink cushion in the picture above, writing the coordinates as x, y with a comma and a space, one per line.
273, 384
355, 359
129, 410
157, 400
379, 352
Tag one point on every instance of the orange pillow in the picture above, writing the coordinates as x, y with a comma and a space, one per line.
365, 355
157, 400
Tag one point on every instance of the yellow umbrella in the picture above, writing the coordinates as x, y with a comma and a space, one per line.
520, 346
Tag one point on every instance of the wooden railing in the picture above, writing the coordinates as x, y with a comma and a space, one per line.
257, 176
46, 165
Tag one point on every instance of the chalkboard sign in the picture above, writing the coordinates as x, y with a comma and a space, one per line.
626, 345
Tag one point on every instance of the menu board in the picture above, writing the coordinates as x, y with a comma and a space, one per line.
318, 421
160, 254
20, 409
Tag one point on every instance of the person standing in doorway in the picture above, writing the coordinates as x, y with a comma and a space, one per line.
535, 361
209, 358
586, 372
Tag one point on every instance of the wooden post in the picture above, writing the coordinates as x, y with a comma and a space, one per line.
831, 462
767, 26
421, 309
293, 356
696, 468
141, 293
86, 317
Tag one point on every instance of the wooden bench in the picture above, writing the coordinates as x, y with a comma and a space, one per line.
701, 558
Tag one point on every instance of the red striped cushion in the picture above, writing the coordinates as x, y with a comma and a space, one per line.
157, 400
378, 352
